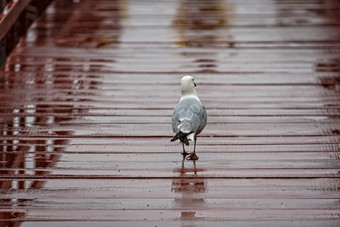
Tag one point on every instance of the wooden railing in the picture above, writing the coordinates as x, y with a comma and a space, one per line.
15, 18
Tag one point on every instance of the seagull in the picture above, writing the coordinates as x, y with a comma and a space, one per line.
189, 117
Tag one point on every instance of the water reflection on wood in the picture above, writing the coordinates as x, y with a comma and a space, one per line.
85, 115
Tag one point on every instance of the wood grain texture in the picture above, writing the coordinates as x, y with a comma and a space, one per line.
86, 100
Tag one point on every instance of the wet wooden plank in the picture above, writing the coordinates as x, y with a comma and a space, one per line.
160, 130
108, 80
222, 147
96, 188
330, 223
154, 215
113, 119
62, 111
122, 163
120, 204
83, 144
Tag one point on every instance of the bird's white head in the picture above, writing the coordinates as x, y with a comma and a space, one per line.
188, 86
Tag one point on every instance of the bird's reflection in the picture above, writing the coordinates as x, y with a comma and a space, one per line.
190, 186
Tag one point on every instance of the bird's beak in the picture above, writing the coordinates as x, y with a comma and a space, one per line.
195, 84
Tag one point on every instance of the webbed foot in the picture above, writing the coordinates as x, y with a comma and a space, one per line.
192, 157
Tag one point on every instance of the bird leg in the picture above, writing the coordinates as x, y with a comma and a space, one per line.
193, 156
184, 153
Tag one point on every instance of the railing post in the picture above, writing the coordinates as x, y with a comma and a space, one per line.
2, 44
2, 52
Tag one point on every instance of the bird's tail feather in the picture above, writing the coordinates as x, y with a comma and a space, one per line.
182, 137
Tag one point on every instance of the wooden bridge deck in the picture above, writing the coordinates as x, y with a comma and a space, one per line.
86, 100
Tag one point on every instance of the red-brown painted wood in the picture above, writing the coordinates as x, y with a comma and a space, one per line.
86, 100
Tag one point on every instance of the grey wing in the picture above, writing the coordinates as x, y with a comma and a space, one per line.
204, 118
189, 116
